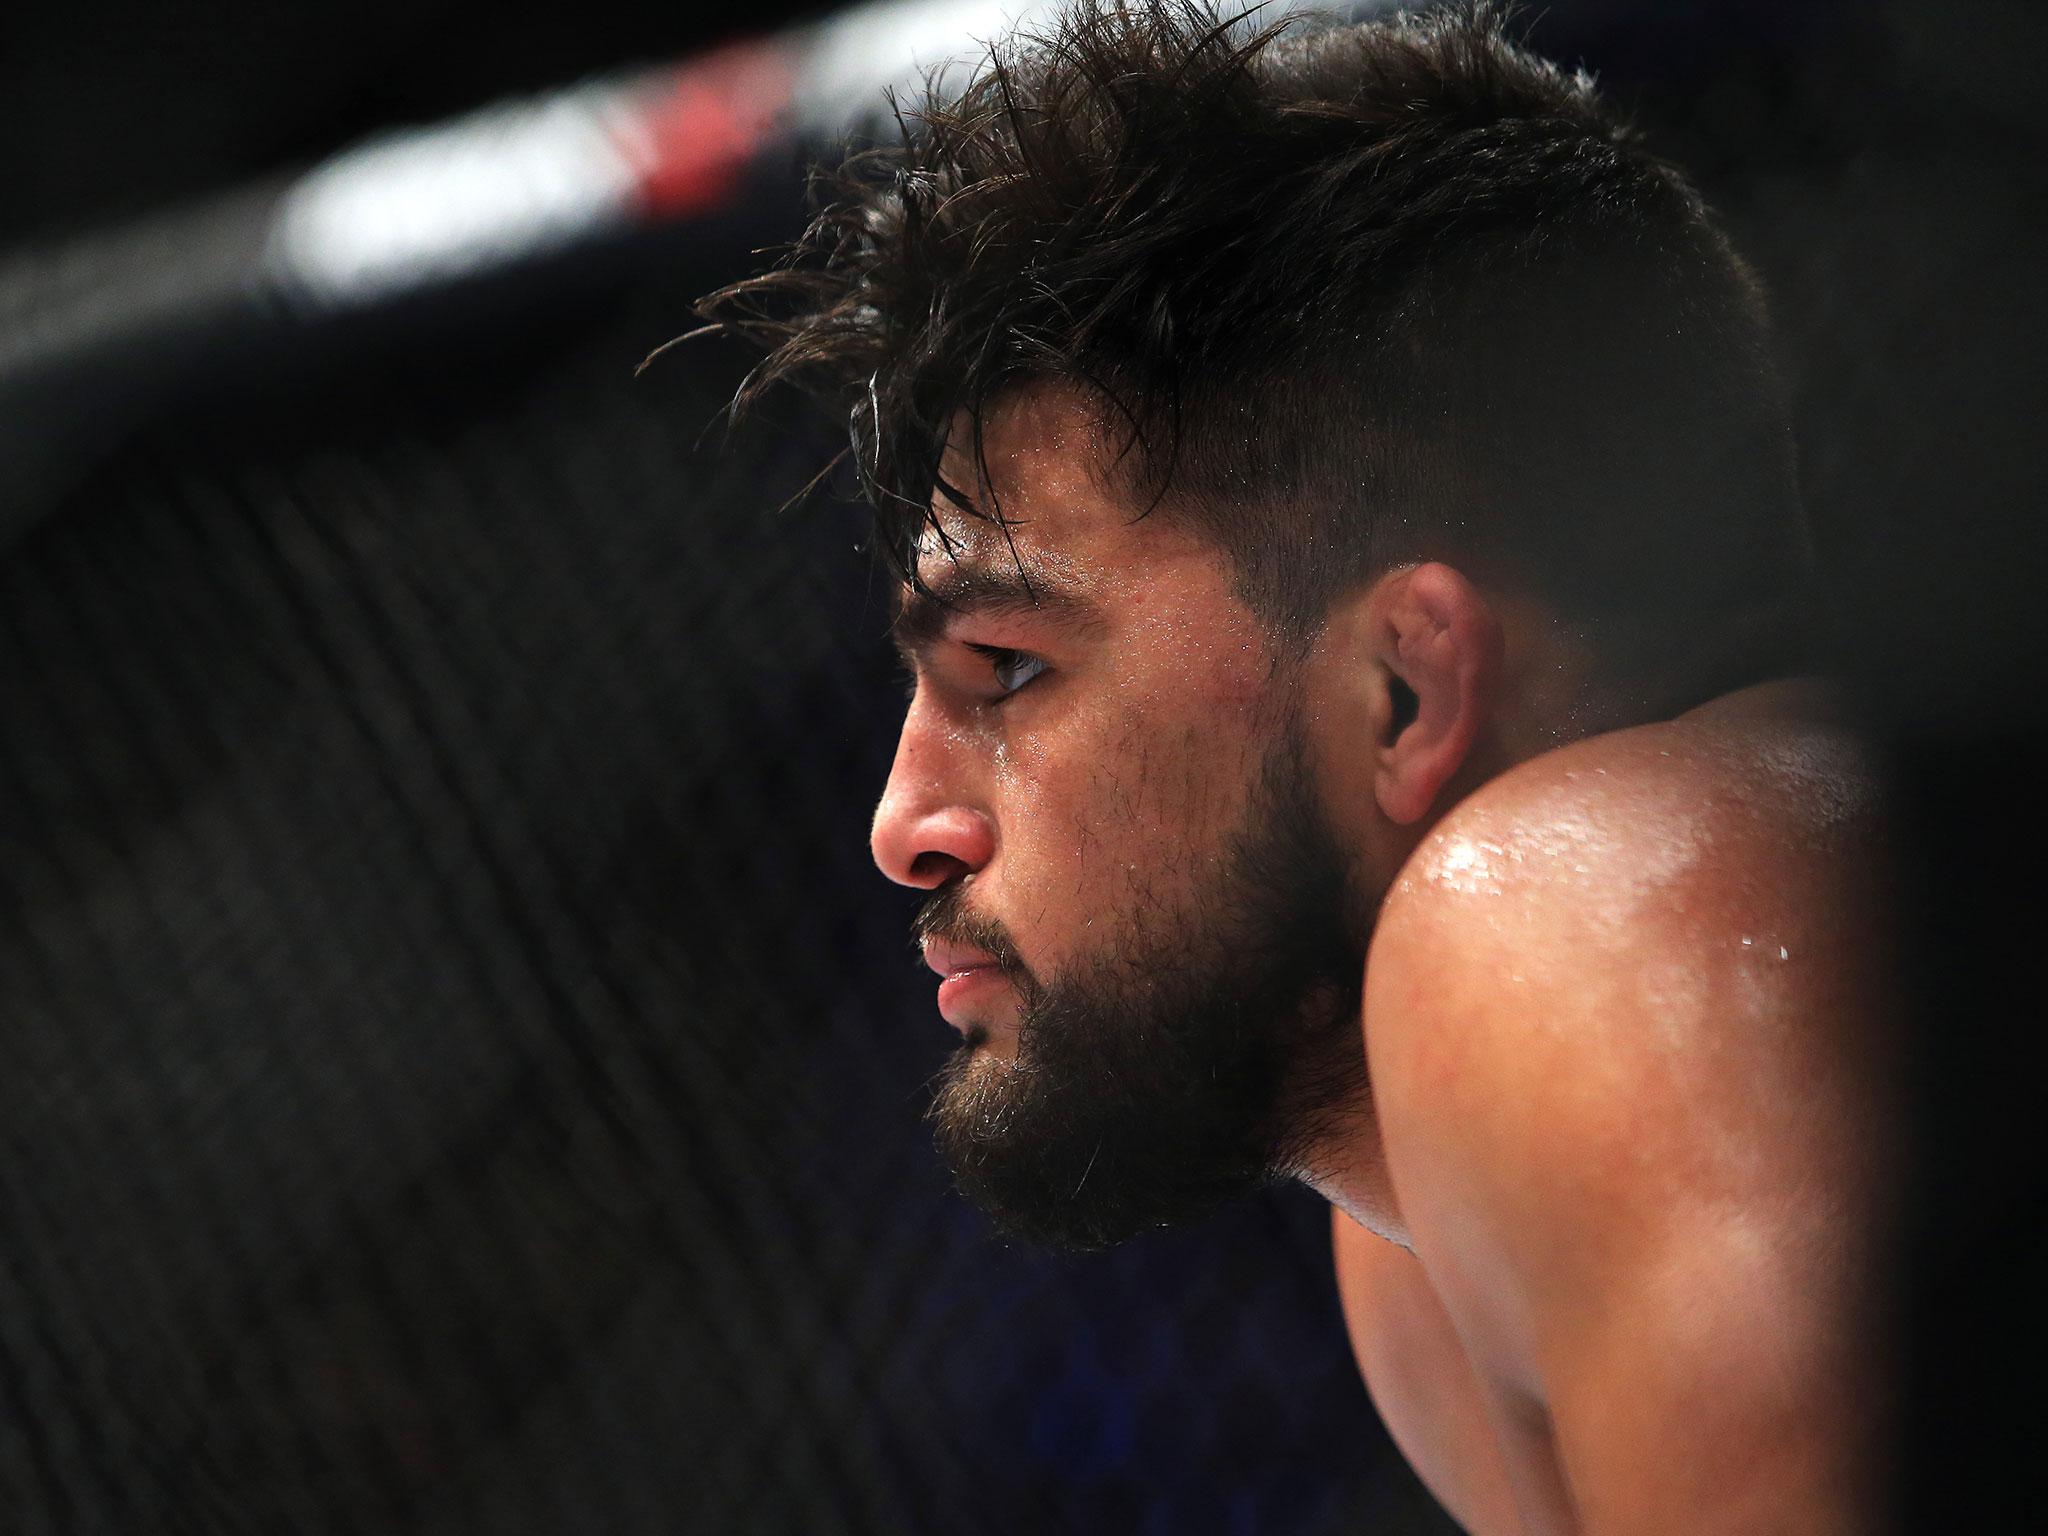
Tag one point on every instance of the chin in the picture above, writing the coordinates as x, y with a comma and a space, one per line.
988, 1042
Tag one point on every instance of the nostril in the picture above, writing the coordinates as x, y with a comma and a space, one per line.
935, 869
928, 846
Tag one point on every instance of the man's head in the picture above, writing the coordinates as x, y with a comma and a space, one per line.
1104, 779
1259, 425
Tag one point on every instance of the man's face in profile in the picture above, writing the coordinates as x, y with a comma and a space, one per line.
1139, 910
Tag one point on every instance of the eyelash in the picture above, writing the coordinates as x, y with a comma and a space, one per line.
999, 656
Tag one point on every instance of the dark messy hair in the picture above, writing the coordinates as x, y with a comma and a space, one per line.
1347, 296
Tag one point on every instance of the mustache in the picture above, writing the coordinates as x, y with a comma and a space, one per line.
947, 916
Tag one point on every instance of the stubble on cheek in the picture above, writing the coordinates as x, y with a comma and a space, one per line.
1166, 772
1158, 811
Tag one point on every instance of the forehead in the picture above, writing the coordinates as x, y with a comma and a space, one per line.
1078, 553
1046, 468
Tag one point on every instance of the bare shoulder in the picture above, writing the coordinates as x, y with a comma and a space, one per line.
1624, 1001
1751, 828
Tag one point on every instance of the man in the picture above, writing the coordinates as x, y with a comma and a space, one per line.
1354, 592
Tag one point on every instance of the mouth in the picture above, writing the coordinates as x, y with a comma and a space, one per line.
968, 980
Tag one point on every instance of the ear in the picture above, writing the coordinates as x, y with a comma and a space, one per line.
1438, 645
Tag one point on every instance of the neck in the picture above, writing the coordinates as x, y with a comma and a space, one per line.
1350, 1171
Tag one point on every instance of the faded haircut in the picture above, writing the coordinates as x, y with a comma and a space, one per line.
1345, 296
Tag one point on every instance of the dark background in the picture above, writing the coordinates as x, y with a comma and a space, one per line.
458, 1071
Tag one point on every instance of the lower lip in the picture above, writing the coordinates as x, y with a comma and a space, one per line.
963, 989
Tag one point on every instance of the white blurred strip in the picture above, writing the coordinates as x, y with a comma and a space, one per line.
426, 205
524, 179
857, 55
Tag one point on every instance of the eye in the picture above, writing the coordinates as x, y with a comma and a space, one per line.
1012, 669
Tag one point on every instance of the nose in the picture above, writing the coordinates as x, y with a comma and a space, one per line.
926, 834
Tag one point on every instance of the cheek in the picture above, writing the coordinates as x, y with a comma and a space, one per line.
1172, 788
1112, 823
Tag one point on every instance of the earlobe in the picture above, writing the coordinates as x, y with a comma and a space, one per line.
1441, 647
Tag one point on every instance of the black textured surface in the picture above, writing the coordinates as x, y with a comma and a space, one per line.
459, 1070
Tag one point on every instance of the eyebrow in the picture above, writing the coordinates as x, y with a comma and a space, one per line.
972, 587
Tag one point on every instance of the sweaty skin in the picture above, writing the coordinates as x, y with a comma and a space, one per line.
1605, 1220
1626, 1014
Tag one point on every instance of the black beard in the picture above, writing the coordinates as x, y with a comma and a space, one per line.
1205, 1056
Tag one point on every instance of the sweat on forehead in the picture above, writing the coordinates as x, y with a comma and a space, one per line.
1043, 448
